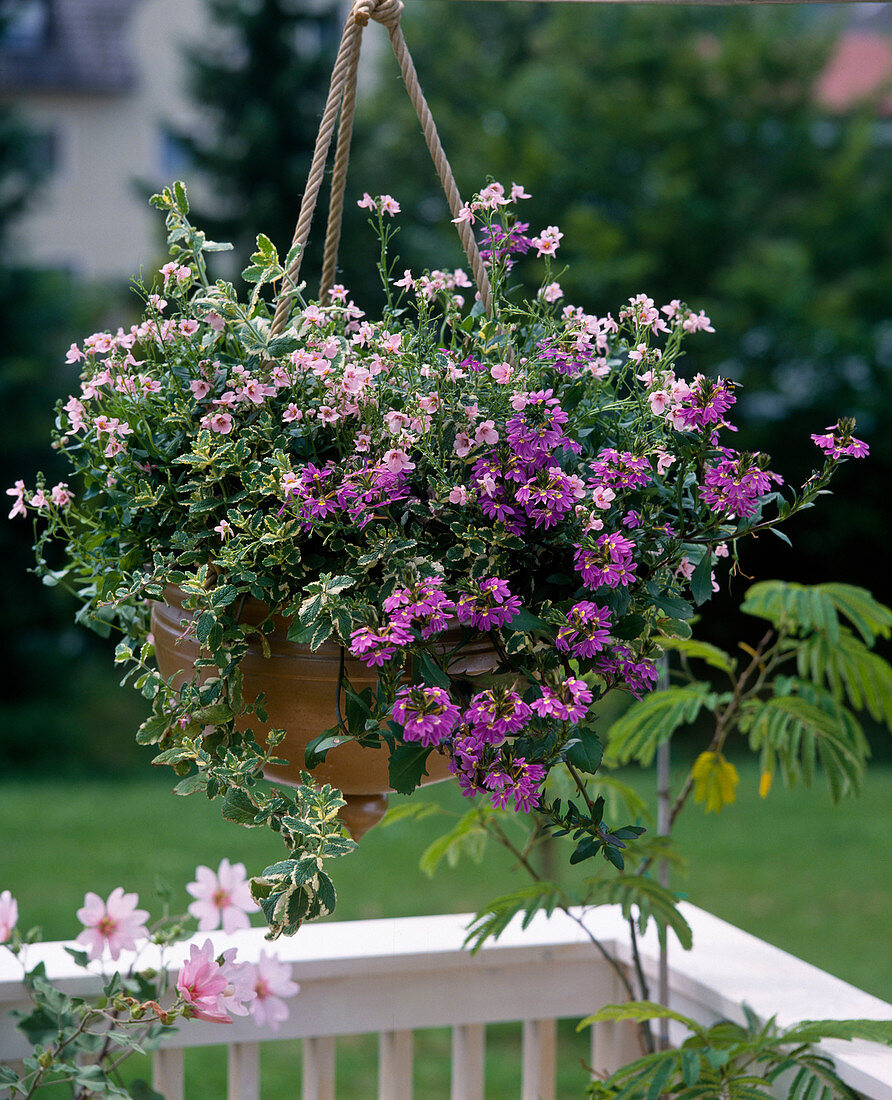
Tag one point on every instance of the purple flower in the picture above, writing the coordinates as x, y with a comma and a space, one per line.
495, 713
519, 782
620, 669
568, 704
586, 630
424, 607
839, 441
608, 563
706, 403
620, 471
374, 647
733, 486
426, 714
488, 608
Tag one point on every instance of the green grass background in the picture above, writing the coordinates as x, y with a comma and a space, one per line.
809, 877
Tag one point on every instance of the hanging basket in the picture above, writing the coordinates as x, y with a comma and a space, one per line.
300, 695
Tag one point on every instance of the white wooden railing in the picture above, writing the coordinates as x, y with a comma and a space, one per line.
395, 977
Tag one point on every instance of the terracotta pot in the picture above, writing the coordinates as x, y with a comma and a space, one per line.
300, 687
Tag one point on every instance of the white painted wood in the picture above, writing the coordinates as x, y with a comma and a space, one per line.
468, 1045
363, 977
168, 1076
243, 1081
395, 1065
539, 1059
319, 1069
614, 1043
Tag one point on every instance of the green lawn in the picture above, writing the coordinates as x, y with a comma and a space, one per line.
807, 876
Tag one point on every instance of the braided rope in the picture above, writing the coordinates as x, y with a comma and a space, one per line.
345, 57
342, 99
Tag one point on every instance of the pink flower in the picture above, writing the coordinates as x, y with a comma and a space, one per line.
223, 528
486, 432
292, 413
224, 896
271, 980
61, 495
462, 447
9, 914
18, 505
396, 460
200, 389
552, 292
218, 422
367, 202
466, 214
389, 205
212, 988
546, 244
518, 192
74, 354
116, 923
458, 495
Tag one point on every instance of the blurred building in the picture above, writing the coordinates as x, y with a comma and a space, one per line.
100, 82
860, 68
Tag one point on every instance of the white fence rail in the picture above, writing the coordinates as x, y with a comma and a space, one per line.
394, 977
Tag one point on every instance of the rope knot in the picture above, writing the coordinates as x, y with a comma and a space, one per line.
386, 12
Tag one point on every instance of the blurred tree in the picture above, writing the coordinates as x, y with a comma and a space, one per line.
263, 75
683, 152
59, 705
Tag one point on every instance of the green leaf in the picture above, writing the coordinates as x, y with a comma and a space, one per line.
467, 837
238, 807
813, 1031
703, 651
652, 720
525, 621
701, 580
639, 1011
431, 672
407, 766
586, 753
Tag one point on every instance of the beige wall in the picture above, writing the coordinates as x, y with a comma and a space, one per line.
91, 216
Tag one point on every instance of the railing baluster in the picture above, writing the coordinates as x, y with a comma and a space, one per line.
467, 1061
168, 1077
539, 1059
395, 1065
244, 1071
319, 1068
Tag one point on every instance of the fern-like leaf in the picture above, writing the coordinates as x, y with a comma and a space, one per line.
492, 921
652, 720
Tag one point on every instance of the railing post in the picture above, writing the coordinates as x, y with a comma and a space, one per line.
167, 1073
539, 1059
395, 1065
319, 1069
467, 1062
243, 1082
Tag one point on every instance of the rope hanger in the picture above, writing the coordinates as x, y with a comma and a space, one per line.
341, 102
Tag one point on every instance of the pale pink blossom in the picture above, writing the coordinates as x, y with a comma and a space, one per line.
224, 896
218, 422
188, 327
367, 202
721, 551
664, 461
407, 282
60, 495
215, 321
552, 292
546, 244
74, 354
502, 372
492, 196
518, 192
115, 924
463, 445
213, 989
458, 495
338, 293
389, 205
200, 388
486, 432
223, 528
271, 982
292, 413
39, 500
9, 915
397, 460
328, 415
466, 214
659, 401
603, 496
18, 505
